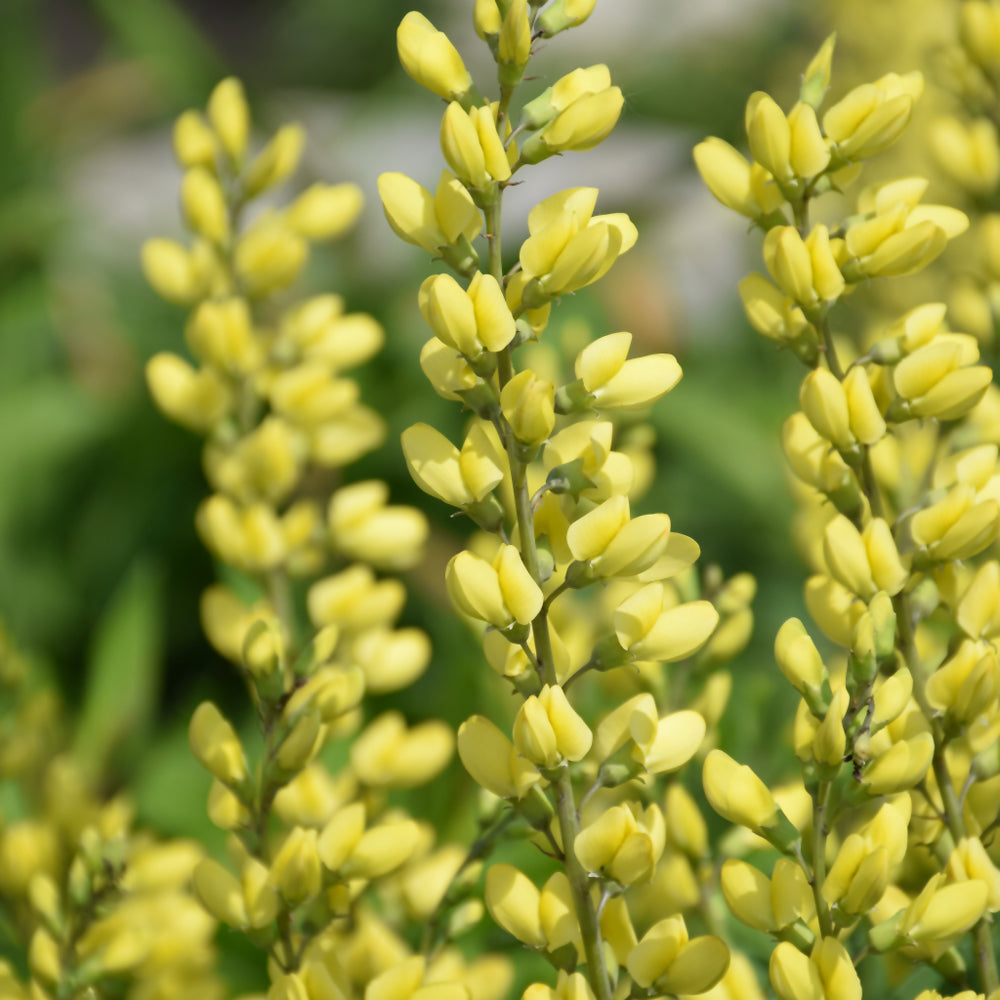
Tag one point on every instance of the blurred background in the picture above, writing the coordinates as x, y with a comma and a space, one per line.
100, 566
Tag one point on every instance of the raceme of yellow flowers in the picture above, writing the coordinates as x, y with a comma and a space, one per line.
320, 870
886, 842
576, 592
92, 905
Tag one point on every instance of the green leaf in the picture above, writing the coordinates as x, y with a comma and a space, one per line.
123, 671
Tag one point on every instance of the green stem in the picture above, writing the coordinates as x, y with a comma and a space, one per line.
820, 798
954, 818
579, 881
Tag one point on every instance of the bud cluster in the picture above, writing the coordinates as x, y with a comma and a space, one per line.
894, 455
576, 593
322, 873
95, 905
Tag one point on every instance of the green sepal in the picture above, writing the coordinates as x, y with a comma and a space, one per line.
487, 513
782, 834
569, 478
885, 936
608, 653
536, 808
574, 398
798, 934
460, 256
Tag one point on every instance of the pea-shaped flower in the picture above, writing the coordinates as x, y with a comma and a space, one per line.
613, 382
528, 405
828, 972
426, 220
737, 794
669, 961
473, 147
651, 629
581, 110
429, 57
623, 843
492, 760
470, 321
548, 731
569, 247
613, 544
499, 593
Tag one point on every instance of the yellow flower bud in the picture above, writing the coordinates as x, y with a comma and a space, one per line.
486, 18
269, 256
809, 153
296, 870
726, 174
979, 31
216, 746
737, 794
579, 124
788, 259
470, 321
617, 383
491, 760
276, 162
797, 657
901, 767
514, 46
770, 312
547, 730
563, 14
969, 860
425, 220
388, 755
325, 211
941, 913
220, 893
230, 117
651, 632
456, 477
196, 399
513, 902
472, 147
824, 402
339, 837
220, 332
872, 116
354, 600
969, 152
382, 849
259, 895
499, 593
978, 612
830, 741
363, 527
623, 843
956, 527
613, 543
846, 557
866, 421
175, 274
392, 660
769, 135
204, 205
44, 958
747, 892
667, 960
967, 684
194, 141
528, 405
430, 59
